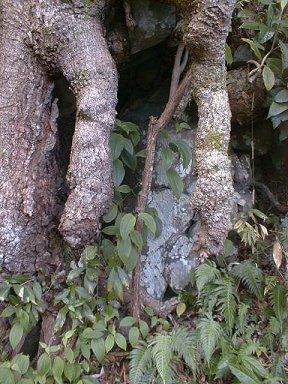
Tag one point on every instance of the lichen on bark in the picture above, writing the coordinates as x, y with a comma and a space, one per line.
206, 29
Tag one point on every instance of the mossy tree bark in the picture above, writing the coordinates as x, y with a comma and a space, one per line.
205, 32
40, 39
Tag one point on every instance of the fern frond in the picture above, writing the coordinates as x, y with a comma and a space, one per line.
227, 300
278, 298
205, 273
140, 364
242, 316
279, 363
251, 276
162, 357
210, 332
243, 375
185, 345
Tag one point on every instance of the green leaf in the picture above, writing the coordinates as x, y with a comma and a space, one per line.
123, 189
69, 354
111, 230
109, 343
253, 47
144, 328
283, 4
284, 50
90, 333
228, 54
184, 151
167, 157
82, 293
124, 278
15, 335
116, 145
180, 309
132, 260
133, 336
210, 332
149, 221
268, 78
43, 364
181, 126
276, 109
244, 376
118, 172
127, 225
21, 362
4, 292
6, 376
124, 249
279, 301
98, 348
85, 349
121, 341
111, 214
282, 96
9, 311
175, 182
58, 367
137, 239
127, 321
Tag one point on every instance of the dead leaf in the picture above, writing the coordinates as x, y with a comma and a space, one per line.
277, 254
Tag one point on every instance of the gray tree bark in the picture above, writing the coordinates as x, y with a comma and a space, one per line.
40, 38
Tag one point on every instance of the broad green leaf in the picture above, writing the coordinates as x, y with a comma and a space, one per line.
276, 109
167, 157
90, 333
85, 349
282, 96
254, 25
128, 146
175, 182
181, 126
184, 151
123, 277
9, 311
121, 341
149, 221
127, 225
127, 321
253, 47
82, 293
180, 309
129, 160
21, 363
74, 274
98, 348
268, 78
58, 367
116, 145
110, 230
15, 335
90, 252
144, 328
132, 260
118, 172
124, 248
111, 214
123, 188
43, 364
6, 376
69, 354
284, 50
109, 343
4, 292
133, 336
137, 239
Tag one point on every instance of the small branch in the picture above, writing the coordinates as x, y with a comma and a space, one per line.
178, 69
270, 195
155, 126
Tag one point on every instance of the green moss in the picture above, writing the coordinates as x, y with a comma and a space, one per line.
216, 140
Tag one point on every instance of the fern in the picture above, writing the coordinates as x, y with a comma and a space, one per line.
227, 300
162, 356
210, 332
206, 273
184, 344
251, 276
279, 301
140, 364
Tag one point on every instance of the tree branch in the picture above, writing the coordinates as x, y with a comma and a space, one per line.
155, 126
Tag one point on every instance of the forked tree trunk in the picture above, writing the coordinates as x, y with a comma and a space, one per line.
38, 39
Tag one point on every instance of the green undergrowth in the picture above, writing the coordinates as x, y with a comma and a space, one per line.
229, 327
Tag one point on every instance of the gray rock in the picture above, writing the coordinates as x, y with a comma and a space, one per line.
153, 23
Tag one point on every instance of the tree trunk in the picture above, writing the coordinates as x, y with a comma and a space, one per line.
40, 39
205, 32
